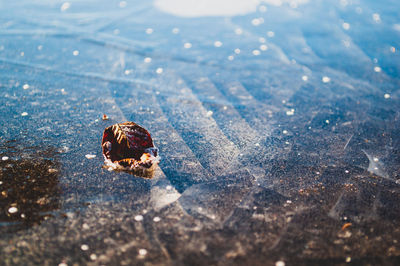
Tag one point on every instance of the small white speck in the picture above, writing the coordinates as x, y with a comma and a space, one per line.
327, 121
348, 259
40, 47
270, 34
285, 132
62, 264
90, 156
326, 79
12, 209
168, 187
209, 113
147, 60
85, 247
149, 31
75, 53
93, 256
280, 263
346, 171
159, 70
175, 30
393, 49
346, 26
139, 218
187, 45
376, 17
290, 112
257, 21
128, 71
22, 54
377, 69
257, 144
238, 31
376, 159
387, 95
26, 86
304, 78
218, 44
65, 6
22, 215
122, 4
231, 57
142, 252
225, 107
4, 158
24, 114
263, 47
256, 52
262, 40
156, 219
237, 51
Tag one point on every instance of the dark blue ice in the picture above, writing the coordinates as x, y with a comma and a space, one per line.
278, 132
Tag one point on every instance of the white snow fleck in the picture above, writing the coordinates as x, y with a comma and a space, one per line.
139, 218
90, 156
12, 209
26, 86
24, 114
263, 47
142, 252
4, 158
290, 112
326, 79
217, 43
377, 69
270, 34
65, 6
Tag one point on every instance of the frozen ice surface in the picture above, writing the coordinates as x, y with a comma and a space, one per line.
277, 124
